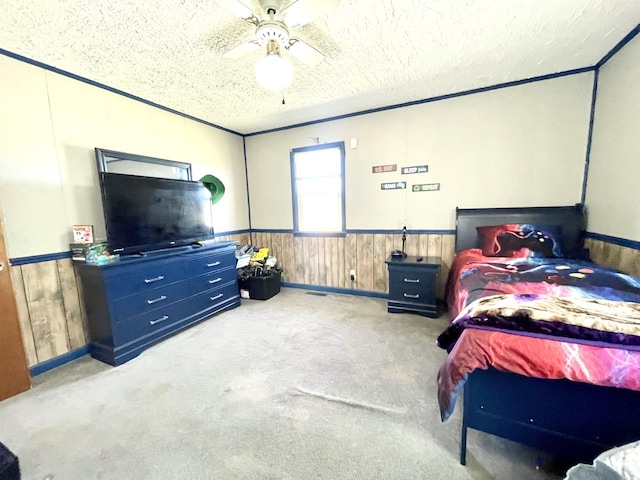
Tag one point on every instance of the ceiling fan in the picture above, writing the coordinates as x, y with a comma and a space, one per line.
272, 32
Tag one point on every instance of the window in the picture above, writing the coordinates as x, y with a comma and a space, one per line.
317, 177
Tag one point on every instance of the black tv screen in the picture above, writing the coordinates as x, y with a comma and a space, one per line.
148, 213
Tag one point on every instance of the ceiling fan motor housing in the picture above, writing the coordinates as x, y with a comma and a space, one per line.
267, 5
272, 30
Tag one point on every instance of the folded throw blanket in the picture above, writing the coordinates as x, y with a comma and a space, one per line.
587, 320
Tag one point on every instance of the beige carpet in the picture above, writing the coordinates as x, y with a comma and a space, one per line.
297, 387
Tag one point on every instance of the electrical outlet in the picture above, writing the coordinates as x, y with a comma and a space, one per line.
352, 275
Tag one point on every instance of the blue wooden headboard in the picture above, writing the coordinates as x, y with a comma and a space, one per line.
570, 219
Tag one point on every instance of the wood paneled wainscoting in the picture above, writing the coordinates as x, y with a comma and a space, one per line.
51, 313
49, 308
326, 261
53, 322
625, 259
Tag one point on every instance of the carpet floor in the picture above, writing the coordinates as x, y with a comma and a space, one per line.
301, 386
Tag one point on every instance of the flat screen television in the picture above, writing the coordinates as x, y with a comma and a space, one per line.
143, 214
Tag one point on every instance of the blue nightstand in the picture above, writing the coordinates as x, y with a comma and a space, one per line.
412, 285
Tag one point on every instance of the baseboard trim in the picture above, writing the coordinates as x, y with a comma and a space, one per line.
58, 361
346, 291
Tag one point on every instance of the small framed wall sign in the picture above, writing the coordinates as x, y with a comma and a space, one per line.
426, 187
415, 169
384, 168
83, 233
393, 186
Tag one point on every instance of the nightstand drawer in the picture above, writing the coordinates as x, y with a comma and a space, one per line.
411, 295
411, 276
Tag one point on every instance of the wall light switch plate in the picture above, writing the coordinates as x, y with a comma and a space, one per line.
354, 142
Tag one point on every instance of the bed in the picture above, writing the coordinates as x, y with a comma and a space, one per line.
545, 343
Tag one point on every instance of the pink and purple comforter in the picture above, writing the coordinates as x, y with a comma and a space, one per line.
539, 317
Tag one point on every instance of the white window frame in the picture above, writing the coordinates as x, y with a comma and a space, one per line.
295, 178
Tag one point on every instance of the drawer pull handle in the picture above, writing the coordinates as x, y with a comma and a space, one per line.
411, 280
155, 300
215, 280
214, 264
161, 319
408, 295
156, 279
217, 296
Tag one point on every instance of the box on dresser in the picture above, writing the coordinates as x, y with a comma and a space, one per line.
139, 300
80, 251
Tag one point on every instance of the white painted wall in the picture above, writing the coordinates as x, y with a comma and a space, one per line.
612, 201
513, 147
517, 146
50, 125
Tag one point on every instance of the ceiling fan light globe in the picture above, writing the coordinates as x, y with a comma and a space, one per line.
274, 72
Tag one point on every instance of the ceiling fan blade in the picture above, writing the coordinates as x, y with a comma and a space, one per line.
241, 50
239, 9
304, 52
301, 12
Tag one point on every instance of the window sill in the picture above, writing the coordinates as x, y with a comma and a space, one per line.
319, 234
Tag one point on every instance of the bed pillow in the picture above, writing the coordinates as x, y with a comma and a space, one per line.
520, 240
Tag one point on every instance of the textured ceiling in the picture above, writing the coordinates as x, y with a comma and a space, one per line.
377, 53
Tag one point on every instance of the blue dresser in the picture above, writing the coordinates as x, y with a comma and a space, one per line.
137, 301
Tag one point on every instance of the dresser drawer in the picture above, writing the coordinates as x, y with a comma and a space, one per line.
211, 263
212, 280
131, 281
151, 300
150, 322
213, 298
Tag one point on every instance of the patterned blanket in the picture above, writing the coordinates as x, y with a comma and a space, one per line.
539, 317
474, 276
